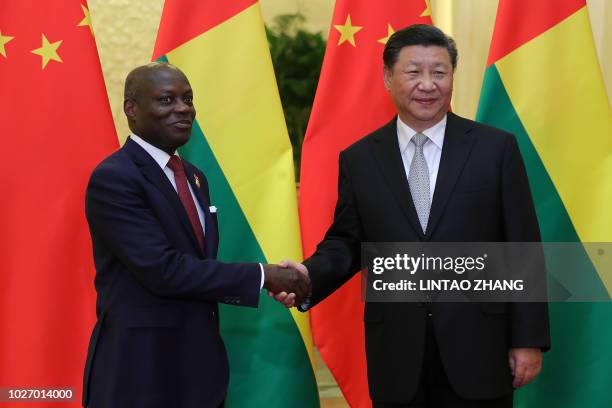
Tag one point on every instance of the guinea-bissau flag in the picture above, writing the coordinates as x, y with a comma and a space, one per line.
240, 142
350, 102
543, 83
56, 125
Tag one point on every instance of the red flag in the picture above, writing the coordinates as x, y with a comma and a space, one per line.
351, 101
56, 125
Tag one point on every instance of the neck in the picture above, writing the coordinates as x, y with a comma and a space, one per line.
167, 149
418, 125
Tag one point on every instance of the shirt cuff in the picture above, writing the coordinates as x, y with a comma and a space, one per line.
305, 305
262, 277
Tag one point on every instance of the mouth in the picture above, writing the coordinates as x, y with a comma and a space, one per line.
182, 124
425, 101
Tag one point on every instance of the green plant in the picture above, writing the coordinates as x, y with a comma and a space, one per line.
297, 56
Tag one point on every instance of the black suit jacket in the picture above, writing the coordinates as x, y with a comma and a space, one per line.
481, 195
156, 342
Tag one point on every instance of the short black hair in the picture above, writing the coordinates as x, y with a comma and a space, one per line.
418, 34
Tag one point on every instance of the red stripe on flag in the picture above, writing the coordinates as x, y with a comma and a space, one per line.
520, 21
183, 20
351, 101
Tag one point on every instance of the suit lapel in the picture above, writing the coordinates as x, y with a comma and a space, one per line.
152, 172
389, 158
455, 152
199, 186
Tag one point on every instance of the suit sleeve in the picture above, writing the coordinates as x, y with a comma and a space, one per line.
125, 229
337, 257
529, 323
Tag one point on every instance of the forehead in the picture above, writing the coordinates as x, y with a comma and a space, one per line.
421, 54
165, 79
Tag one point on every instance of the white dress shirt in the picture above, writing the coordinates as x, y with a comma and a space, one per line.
432, 149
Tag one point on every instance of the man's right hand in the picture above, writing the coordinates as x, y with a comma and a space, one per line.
288, 279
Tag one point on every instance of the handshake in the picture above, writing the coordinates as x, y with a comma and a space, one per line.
288, 282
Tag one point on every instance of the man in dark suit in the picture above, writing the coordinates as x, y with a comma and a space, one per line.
430, 175
156, 342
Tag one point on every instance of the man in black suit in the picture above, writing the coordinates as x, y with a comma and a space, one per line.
156, 342
430, 175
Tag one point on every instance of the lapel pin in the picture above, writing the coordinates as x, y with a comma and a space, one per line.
197, 180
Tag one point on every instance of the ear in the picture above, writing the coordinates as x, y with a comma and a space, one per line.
129, 107
387, 74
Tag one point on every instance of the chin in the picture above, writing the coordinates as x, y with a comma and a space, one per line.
430, 115
182, 138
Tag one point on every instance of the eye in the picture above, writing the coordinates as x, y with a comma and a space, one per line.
165, 100
412, 73
188, 100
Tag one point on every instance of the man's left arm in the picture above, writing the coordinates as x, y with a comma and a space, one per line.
529, 324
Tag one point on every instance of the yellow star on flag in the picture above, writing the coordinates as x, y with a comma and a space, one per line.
48, 51
427, 12
347, 31
3, 40
86, 21
390, 31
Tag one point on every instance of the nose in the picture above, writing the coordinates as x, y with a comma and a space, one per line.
427, 83
181, 106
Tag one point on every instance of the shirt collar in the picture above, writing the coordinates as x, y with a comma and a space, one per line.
161, 158
435, 133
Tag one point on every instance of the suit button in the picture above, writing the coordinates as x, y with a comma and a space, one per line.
212, 314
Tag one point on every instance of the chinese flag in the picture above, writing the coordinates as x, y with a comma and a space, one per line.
56, 126
351, 102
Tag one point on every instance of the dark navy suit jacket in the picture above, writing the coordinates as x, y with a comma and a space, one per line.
482, 195
156, 342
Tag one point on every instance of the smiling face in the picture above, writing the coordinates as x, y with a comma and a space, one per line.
421, 85
160, 108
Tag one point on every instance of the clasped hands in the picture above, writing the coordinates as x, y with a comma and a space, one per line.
288, 282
